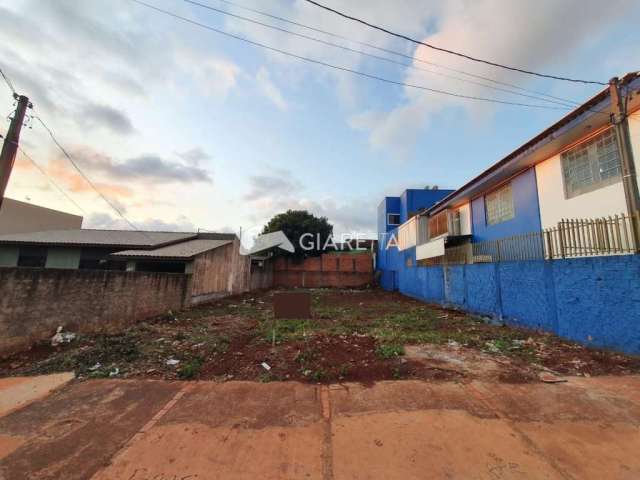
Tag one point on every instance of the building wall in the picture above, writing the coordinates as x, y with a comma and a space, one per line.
388, 205
220, 272
416, 199
34, 302
262, 277
9, 255
525, 204
328, 270
554, 206
21, 217
63, 257
465, 219
595, 301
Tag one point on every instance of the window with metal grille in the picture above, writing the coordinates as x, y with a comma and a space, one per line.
499, 205
591, 165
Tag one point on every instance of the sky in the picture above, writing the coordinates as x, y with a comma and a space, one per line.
182, 128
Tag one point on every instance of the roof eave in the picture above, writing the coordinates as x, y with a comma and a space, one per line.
533, 143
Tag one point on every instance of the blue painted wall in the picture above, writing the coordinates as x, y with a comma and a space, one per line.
406, 205
413, 200
525, 205
595, 301
388, 205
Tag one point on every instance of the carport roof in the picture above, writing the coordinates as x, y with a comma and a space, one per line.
178, 251
97, 238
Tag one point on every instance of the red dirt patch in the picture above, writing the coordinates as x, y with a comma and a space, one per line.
320, 358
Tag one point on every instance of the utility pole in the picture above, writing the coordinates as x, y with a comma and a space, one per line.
619, 119
10, 146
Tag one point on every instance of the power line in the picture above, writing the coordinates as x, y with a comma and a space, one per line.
377, 57
82, 174
451, 52
48, 177
8, 82
396, 53
345, 69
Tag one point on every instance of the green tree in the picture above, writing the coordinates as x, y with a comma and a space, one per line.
295, 224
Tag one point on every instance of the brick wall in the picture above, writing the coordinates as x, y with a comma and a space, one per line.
328, 270
34, 302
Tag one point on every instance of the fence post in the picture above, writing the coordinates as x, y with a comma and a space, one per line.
635, 230
561, 237
549, 249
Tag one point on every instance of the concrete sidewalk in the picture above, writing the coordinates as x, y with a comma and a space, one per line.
153, 430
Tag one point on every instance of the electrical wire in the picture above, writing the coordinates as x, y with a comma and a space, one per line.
8, 82
396, 53
48, 177
83, 175
452, 52
377, 57
345, 69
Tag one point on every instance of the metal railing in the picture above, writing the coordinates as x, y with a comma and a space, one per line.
571, 238
602, 236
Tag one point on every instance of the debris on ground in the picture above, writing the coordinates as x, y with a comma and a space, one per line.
61, 337
353, 335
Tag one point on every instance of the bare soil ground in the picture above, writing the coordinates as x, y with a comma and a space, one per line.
353, 335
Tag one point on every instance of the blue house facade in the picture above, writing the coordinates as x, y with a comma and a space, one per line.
514, 209
501, 244
394, 211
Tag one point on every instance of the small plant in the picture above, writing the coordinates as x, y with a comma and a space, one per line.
390, 350
190, 369
267, 377
318, 375
305, 356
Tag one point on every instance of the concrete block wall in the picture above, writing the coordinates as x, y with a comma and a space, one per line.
595, 301
220, 272
34, 302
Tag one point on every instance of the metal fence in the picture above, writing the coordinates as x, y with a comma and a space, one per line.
611, 235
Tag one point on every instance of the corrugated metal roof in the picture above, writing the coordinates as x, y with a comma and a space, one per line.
97, 238
179, 251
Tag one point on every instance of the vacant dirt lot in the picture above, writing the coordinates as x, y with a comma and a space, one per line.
361, 336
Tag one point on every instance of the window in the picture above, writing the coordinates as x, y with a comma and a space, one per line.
393, 218
456, 225
499, 205
438, 225
32, 257
591, 165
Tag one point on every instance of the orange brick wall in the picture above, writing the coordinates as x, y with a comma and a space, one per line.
328, 270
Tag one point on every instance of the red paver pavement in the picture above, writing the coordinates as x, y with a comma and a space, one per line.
154, 430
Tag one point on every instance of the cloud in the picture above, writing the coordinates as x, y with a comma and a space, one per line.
96, 115
153, 167
108, 222
147, 168
531, 35
279, 191
269, 89
275, 184
215, 77
60, 170
194, 156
